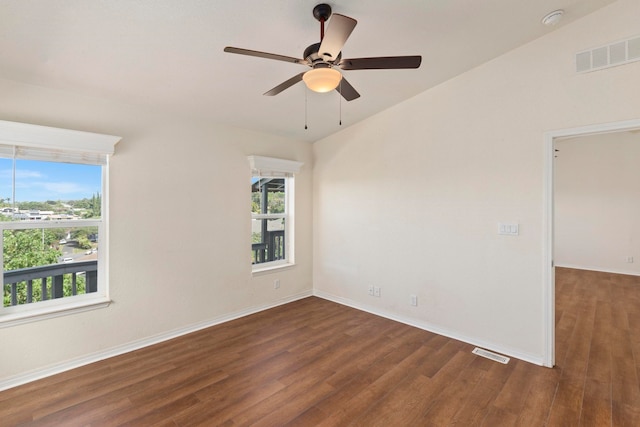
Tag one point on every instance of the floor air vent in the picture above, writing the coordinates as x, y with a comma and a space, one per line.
489, 355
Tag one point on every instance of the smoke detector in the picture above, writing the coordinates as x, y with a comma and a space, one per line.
552, 18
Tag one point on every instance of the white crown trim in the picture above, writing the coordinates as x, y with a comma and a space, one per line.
271, 164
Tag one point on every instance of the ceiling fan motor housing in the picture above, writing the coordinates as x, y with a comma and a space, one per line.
312, 56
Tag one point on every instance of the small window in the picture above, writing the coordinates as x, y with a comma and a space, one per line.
272, 219
269, 219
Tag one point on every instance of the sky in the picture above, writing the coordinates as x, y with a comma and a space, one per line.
38, 181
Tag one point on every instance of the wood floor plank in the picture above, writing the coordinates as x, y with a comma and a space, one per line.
597, 405
401, 405
625, 414
599, 366
476, 407
314, 362
513, 394
499, 417
286, 404
567, 403
415, 394
77, 393
625, 384
441, 411
168, 396
378, 381
540, 397
83, 414
311, 417
220, 411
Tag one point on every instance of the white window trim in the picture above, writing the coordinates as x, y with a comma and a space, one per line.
270, 166
85, 145
28, 135
267, 166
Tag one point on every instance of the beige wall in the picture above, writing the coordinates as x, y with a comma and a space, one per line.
410, 200
180, 228
597, 202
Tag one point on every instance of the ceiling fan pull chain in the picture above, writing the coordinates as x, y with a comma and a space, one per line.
340, 101
305, 108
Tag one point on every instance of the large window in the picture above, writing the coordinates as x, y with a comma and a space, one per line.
272, 219
53, 222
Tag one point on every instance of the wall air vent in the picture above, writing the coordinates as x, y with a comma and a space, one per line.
490, 355
611, 55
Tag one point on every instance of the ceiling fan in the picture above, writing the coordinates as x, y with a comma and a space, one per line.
325, 57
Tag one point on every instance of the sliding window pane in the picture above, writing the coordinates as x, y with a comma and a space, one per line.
48, 263
55, 191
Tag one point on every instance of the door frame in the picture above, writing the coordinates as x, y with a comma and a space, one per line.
548, 293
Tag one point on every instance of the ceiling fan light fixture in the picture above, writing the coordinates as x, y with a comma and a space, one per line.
322, 79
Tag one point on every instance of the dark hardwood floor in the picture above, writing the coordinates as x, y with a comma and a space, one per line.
314, 362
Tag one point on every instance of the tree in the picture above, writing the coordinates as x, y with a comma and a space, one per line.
84, 243
275, 202
93, 206
33, 248
28, 248
24, 249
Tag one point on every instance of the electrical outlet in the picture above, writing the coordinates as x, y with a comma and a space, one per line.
629, 259
276, 284
376, 291
413, 300
371, 291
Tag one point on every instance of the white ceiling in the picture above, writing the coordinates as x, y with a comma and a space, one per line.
169, 53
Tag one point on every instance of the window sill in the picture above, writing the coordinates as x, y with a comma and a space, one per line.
258, 271
35, 315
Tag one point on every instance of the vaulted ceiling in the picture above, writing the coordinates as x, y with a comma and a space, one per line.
168, 54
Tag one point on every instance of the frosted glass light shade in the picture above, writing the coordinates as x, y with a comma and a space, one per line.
322, 79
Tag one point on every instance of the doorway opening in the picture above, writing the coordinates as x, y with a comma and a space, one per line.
550, 139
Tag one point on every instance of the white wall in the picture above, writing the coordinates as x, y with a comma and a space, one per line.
597, 202
410, 199
180, 229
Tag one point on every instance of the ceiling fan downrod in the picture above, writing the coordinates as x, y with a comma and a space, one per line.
322, 12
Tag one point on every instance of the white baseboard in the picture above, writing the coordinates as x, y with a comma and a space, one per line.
601, 270
535, 359
17, 380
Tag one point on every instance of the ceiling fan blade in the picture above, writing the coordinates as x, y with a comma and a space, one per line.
381, 63
266, 55
285, 85
347, 91
339, 30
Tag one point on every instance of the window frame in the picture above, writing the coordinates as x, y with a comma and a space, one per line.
289, 252
269, 167
62, 145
